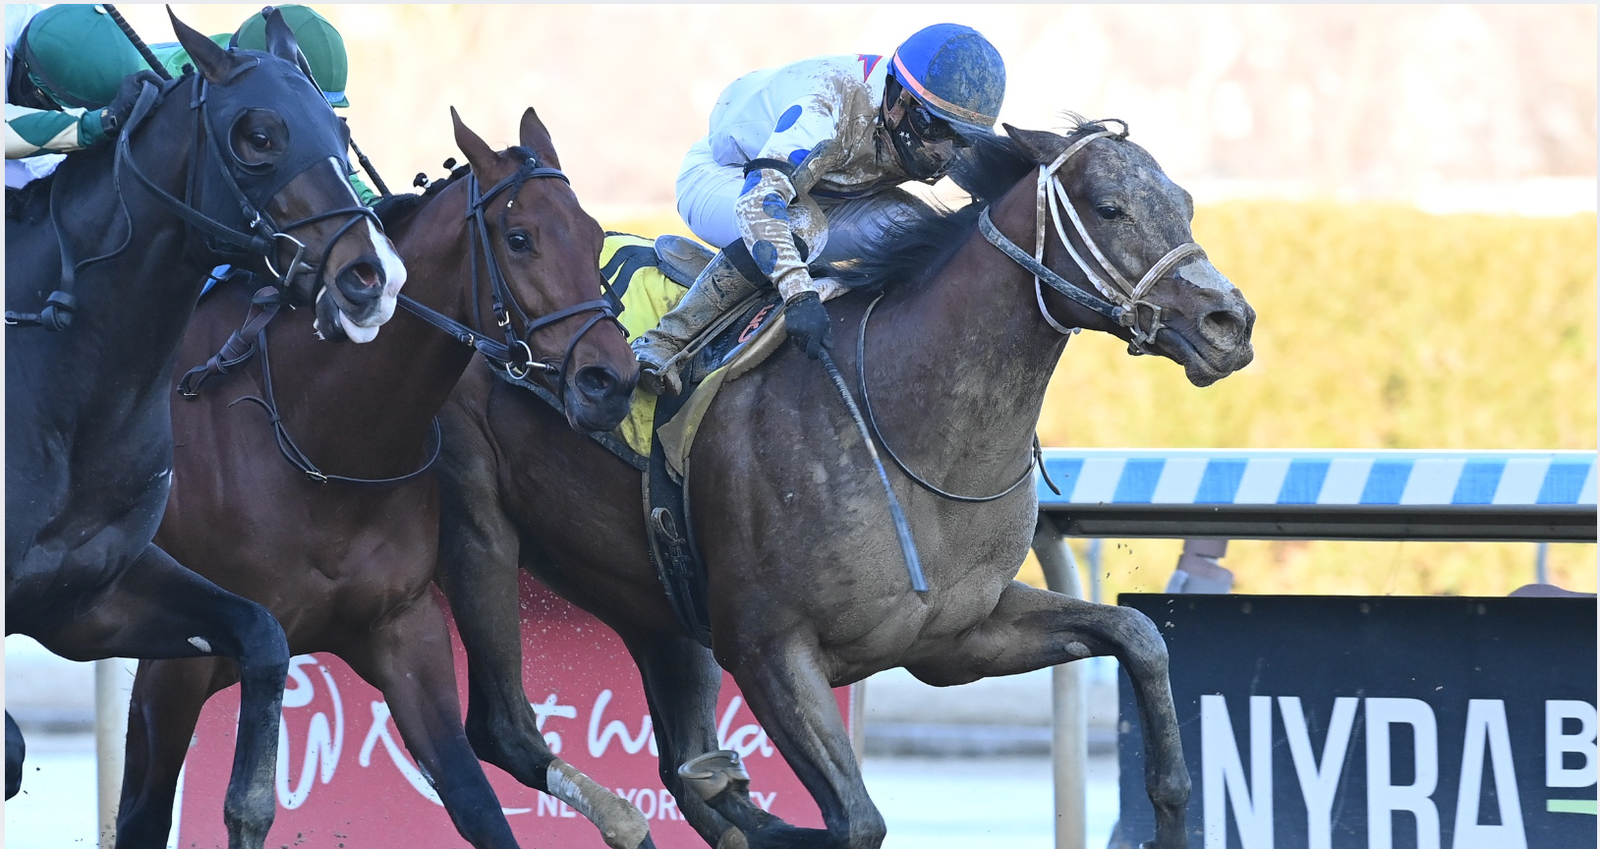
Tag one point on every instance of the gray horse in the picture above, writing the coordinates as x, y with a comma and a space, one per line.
956, 331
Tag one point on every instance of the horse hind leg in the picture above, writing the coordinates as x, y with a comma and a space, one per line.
158, 609
1032, 628
16, 751
168, 696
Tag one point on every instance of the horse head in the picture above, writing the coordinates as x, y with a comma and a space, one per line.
1122, 237
543, 249
279, 156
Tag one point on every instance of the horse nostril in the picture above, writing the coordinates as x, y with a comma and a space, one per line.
1223, 328
361, 282
596, 381
367, 274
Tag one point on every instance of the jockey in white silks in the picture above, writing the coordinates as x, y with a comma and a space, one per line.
803, 163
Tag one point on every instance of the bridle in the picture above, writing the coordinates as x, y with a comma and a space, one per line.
1120, 298
514, 356
259, 236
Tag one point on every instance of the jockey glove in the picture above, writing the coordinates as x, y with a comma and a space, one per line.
808, 324
115, 115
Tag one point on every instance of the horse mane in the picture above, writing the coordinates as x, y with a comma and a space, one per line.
917, 248
394, 210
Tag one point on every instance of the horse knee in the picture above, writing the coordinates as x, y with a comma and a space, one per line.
263, 647
1168, 788
867, 829
1142, 648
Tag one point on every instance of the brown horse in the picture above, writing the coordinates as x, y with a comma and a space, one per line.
346, 565
807, 586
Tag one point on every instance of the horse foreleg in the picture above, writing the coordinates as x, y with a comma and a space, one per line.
156, 608
408, 658
783, 681
478, 571
16, 750
681, 681
1033, 628
167, 698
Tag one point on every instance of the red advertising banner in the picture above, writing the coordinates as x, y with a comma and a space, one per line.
345, 780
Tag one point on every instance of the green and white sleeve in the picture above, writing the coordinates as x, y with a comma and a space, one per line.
30, 132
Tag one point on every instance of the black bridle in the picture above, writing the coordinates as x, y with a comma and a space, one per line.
514, 355
259, 235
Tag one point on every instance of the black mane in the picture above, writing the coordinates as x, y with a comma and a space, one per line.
918, 248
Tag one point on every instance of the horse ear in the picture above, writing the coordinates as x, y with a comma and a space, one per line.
536, 138
211, 61
280, 38
1041, 146
478, 153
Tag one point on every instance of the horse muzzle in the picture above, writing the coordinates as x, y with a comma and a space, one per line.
359, 299
597, 398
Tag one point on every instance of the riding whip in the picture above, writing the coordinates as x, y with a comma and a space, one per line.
366, 165
138, 43
908, 546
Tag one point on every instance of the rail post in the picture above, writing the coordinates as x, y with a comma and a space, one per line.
113, 689
1069, 732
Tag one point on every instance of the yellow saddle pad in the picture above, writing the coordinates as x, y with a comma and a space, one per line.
646, 294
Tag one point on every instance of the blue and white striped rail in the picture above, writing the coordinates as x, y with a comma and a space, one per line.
1444, 495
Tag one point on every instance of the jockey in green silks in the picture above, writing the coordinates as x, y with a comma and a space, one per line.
72, 77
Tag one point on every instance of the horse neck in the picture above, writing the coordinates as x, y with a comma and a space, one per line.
372, 405
972, 358
135, 305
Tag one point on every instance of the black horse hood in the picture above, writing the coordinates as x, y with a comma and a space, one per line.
263, 81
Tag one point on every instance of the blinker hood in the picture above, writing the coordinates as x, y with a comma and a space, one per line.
314, 132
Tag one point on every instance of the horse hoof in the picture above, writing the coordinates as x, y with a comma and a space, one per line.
713, 772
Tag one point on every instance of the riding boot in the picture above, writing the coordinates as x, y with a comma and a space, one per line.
718, 289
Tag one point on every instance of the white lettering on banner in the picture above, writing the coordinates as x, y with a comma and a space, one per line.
380, 732
668, 807
1222, 774
746, 739
1558, 743
1319, 781
549, 708
765, 800
1384, 798
323, 745
1486, 723
599, 740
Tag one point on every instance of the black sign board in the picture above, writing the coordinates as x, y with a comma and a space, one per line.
1349, 722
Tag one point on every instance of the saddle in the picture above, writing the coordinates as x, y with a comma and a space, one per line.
648, 278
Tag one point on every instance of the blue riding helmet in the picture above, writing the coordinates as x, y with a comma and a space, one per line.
956, 73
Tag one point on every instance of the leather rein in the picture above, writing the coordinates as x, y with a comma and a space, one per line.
1120, 302
239, 349
514, 355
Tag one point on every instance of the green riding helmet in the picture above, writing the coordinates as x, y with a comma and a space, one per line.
319, 41
77, 55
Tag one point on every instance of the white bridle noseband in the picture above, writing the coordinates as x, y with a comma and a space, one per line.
1122, 297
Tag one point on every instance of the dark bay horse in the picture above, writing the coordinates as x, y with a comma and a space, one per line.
240, 162
347, 565
807, 586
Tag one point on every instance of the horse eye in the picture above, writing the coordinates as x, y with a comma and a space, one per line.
519, 242
259, 140
1107, 212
